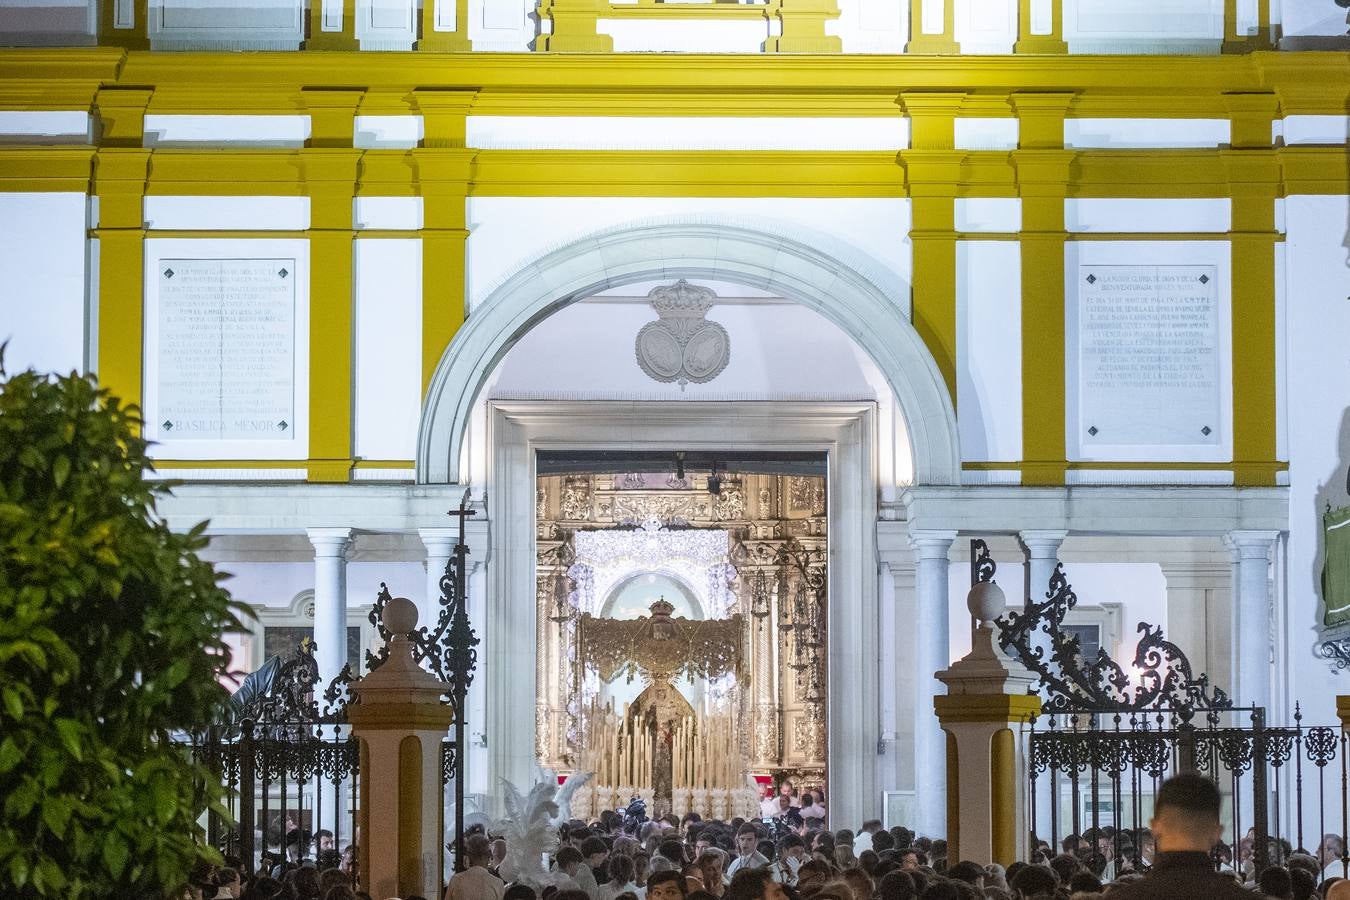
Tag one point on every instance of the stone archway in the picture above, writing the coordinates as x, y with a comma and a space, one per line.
630, 254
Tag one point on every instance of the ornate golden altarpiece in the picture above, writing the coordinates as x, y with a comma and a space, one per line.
772, 575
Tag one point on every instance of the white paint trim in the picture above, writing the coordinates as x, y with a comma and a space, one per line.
687, 133
876, 320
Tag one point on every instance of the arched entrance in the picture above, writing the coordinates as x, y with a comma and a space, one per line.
722, 252
511, 432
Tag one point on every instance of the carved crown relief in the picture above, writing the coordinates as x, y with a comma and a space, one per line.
682, 345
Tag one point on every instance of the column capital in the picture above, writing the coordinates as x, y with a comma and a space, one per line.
1042, 544
1251, 544
330, 541
931, 544
439, 540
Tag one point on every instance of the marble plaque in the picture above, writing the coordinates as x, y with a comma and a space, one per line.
226, 349
1148, 344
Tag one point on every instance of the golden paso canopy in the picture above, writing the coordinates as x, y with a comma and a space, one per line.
662, 647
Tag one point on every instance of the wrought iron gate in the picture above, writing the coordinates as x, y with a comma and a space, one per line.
1107, 738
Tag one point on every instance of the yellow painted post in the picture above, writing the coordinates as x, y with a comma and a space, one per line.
120, 176
1042, 182
123, 23
1235, 41
575, 26
334, 28
986, 699
803, 27
1051, 42
933, 172
444, 169
1254, 177
330, 182
444, 41
943, 42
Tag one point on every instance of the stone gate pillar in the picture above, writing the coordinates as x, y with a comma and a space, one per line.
985, 705
398, 716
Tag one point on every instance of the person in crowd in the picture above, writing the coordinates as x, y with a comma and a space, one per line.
755, 884
665, 886
710, 866
596, 853
1330, 853
476, 882
747, 851
789, 858
768, 804
813, 806
620, 879
567, 864
1186, 827
520, 892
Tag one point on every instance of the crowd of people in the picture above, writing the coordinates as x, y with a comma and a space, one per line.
623, 857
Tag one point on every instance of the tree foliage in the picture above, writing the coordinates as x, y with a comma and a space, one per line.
110, 639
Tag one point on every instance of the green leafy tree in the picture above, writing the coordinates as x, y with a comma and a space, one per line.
110, 640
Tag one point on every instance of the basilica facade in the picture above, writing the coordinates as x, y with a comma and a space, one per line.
756, 309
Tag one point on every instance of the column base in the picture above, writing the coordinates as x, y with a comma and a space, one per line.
1041, 44
329, 470
932, 44
826, 44
578, 43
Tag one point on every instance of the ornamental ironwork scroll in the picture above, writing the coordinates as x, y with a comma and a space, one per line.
1163, 676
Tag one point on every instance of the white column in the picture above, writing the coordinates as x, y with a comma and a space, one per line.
1042, 555
1252, 617
440, 544
933, 654
1041, 549
330, 600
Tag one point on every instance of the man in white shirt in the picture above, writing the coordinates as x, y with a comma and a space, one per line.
768, 807
747, 852
476, 882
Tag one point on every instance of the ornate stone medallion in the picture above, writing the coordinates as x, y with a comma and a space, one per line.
681, 345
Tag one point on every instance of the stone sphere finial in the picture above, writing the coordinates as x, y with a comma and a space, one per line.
400, 616
986, 601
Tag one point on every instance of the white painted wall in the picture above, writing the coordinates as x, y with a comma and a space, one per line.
48, 23
1137, 133
254, 131
42, 281
871, 26
387, 374
1116, 214
506, 234
1318, 423
989, 349
1143, 26
44, 126
985, 26
685, 35
226, 213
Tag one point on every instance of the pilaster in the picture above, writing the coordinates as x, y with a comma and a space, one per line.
1042, 167
1032, 40
1254, 185
331, 546
923, 40
1236, 40
444, 170
330, 182
574, 27
120, 177
444, 40
124, 23
332, 25
803, 27
932, 653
